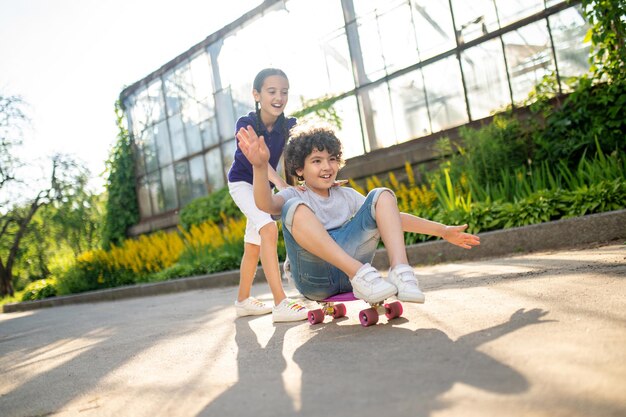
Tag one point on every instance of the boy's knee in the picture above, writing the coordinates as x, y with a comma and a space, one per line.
291, 211
381, 194
386, 194
300, 210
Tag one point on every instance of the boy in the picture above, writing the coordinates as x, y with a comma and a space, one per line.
331, 233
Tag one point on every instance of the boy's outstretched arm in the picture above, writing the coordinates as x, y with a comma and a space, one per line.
257, 152
453, 234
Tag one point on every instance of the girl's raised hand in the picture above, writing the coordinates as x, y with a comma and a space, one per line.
253, 146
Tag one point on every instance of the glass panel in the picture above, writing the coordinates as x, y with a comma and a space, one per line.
162, 140
350, 133
206, 109
225, 115
474, 18
485, 78
446, 104
304, 53
139, 143
178, 138
375, 101
215, 172
139, 112
183, 182
364, 7
398, 38
169, 188
371, 48
511, 11
197, 173
410, 111
568, 31
156, 193
550, 3
194, 137
201, 76
529, 57
172, 99
143, 196
154, 108
336, 57
433, 27
149, 150
314, 56
208, 130
228, 155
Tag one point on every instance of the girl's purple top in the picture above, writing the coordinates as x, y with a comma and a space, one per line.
241, 169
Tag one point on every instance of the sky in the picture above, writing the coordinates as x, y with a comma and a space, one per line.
70, 59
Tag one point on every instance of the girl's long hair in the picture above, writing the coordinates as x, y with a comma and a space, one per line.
257, 85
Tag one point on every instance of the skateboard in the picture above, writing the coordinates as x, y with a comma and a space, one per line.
333, 306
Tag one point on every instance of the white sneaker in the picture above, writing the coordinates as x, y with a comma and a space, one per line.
251, 307
289, 310
369, 285
403, 277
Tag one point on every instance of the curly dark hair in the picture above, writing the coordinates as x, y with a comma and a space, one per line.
302, 143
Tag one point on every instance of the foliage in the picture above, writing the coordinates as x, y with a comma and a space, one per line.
143, 259
13, 120
502, 144
320, 108
590, 113
122, 210
213, 207
38, 290
66, 176
607, 35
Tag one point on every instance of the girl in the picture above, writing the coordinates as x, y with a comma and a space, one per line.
271, 92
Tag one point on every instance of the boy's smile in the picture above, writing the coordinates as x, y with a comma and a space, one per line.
320, 171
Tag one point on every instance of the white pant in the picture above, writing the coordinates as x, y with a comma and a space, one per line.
243, 196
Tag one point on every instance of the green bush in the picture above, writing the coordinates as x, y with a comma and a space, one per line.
501, 145
202, 260
211, 207
590, 113
40, 289
595, 198
93, 276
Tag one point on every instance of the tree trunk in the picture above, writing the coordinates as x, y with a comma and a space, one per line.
6, 270
6, 281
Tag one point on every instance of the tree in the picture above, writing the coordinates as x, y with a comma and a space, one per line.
12, 122
22, 194
64, 177
122, 210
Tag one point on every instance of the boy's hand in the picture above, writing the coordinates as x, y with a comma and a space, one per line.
455, 235
253, 146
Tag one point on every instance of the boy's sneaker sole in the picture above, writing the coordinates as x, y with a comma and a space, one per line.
378, 297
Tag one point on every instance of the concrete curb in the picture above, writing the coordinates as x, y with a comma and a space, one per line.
560, 234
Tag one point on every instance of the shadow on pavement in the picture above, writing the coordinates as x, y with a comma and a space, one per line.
259, 390
374, 371
88, 343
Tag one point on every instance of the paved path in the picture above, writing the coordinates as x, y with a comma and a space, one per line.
533, 335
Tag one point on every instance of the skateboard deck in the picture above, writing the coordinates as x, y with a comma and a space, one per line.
333, 306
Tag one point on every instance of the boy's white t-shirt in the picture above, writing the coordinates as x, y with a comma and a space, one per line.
332, 211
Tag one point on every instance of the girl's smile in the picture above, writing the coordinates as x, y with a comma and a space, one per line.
272, 98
